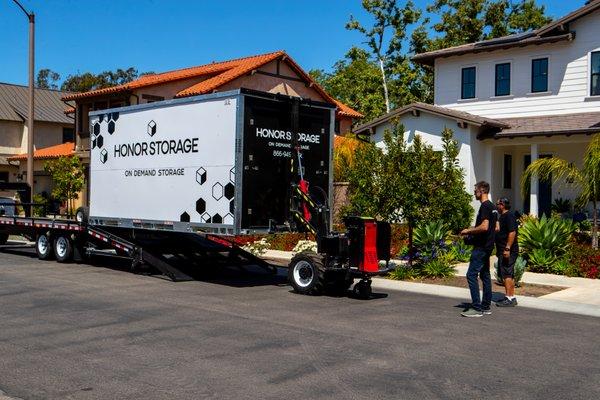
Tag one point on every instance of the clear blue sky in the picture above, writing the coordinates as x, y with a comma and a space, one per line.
75, 36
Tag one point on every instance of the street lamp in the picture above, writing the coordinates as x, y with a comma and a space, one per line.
30, 116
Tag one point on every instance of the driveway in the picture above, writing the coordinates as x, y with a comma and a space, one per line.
99, 332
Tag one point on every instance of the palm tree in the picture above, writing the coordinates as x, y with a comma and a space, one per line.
586, 179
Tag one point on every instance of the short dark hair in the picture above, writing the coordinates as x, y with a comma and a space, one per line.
505, 202
483, 186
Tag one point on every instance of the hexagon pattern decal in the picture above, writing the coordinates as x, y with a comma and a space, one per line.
215, 203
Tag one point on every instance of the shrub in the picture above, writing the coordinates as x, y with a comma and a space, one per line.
305, 245
460, 251
562, 206
520, 267
258, 248
399, 236
39, 211
585, 262
429, 235
287, 241
541, 260
550, 234
403, 272
438, 268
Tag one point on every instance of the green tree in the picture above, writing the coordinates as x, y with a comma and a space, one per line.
68, 177
410, 183
47, 79
390, 19
586, 179
468, 21
88, 81
355, 81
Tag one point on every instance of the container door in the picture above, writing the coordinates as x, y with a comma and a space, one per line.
267, 155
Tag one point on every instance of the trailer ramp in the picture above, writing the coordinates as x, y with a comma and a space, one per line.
177, 255
138, 254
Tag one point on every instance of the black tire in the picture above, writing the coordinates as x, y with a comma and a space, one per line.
82, 214
3, 238
363, 290
306, 273
43, 247
63, 249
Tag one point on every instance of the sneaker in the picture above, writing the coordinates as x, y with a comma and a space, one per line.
506, 302
486, 311
471, 313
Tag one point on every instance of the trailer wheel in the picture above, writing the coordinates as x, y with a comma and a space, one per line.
81, 215
3, 238
63, 249
306, 273
43, 247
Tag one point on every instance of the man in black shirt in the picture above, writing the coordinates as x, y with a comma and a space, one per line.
507, 250
483, 244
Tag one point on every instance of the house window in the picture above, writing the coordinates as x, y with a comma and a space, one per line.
68, 135
468, 83
507, 177
336, 126
539, 75
3, 176
502, 79
151, 98
595, 83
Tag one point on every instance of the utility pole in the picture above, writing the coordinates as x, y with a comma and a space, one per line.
30, 114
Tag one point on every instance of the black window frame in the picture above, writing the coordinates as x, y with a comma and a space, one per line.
463, 83
68, 133
543, 75
497, 80
594, 91
507, 171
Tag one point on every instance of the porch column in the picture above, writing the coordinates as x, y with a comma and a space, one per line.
533, 196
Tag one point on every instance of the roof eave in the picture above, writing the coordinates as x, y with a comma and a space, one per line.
500, 135
430, 57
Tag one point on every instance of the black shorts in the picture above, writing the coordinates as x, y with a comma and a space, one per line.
506, 266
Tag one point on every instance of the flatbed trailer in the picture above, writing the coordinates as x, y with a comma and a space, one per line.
67, 239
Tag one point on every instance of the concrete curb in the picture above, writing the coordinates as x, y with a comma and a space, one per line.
539, 303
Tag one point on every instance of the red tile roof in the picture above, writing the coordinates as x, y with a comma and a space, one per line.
218, 74
65, 149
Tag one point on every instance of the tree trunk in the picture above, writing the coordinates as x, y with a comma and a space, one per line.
595, 226
385, 88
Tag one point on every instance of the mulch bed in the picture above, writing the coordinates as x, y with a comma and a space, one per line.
526, 289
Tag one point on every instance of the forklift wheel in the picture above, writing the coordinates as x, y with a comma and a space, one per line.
362, 289
306, 273
63, 249
43, 247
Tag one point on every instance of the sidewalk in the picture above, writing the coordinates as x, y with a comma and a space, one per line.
580, 296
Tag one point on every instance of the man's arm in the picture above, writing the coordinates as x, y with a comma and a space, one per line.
509, 243
481, 228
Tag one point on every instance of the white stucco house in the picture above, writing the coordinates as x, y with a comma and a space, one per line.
512, 100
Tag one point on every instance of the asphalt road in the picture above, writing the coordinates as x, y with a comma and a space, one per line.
90, 332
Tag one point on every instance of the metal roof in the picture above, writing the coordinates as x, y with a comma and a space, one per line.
49, 107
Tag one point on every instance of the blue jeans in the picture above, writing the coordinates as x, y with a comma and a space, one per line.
479, 265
